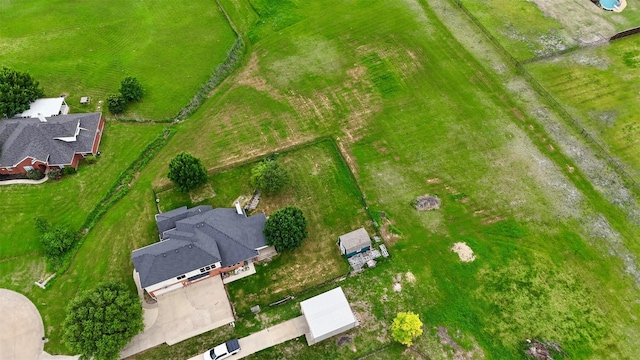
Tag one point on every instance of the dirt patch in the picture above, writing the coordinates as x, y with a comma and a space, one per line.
464, 252
434, 181
458, 352
410, 277
427, 202
386, 234
343, 340
203, 193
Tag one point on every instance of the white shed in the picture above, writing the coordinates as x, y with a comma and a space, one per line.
327, 314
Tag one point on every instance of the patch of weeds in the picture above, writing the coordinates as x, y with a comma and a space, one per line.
381, 74
275, 15
632, 59
458, 197
538, 301
507, 228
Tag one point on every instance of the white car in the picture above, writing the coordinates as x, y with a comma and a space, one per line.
223, 351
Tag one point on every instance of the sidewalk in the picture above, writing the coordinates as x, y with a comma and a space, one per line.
269, 337
24, 181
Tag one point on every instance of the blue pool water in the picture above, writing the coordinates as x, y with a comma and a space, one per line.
609, 4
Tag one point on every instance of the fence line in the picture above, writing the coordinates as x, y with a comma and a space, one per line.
600, 150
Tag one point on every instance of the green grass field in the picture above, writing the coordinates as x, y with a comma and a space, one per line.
87, 48
415, 114
600, 87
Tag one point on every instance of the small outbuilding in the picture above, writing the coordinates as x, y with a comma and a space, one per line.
46, 107
327, 314
355, 242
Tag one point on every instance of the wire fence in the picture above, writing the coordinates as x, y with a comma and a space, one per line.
551, 100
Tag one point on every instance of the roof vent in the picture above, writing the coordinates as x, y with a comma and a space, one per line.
177, 251
164, 255
42, 118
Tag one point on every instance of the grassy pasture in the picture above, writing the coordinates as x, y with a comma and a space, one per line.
87, 48
447, 127
600, 86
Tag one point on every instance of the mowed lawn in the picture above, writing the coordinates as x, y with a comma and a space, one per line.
601, 88
65, 202
86, 48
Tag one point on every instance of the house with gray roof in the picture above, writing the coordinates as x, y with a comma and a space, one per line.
196, 244
45, 143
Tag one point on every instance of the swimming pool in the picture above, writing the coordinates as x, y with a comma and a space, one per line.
609, 4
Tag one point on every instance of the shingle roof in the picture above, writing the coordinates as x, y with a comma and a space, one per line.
22, 138
355, 240
197, 237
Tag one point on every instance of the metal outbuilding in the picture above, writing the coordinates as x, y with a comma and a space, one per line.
327, 314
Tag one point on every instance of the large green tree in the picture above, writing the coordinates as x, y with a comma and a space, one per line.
102, 321
406, 327
17, 91
286, 228
130, 89
269, 177
187, 172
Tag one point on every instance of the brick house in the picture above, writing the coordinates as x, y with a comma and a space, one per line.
46, 143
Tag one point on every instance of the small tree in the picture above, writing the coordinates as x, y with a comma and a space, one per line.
54, 174
186, 172
406, 327
116, 104
99, 323
17, 91
131, 90
286, 228
56, 240
269, 177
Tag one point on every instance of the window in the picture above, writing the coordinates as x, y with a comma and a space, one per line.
28, 168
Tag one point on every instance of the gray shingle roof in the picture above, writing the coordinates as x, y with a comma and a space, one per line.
21, 138
355, 240
197, 237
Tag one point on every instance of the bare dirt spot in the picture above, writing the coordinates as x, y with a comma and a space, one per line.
203, 193
427, 202
434, 181
518, 114
388, 236
493, 220
458, 352
410, 277
464, 252
571, 169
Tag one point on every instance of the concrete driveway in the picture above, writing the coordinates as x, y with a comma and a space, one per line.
269, 337
21, 329
182, 314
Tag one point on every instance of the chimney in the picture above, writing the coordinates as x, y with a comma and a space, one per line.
238, 208
42, 118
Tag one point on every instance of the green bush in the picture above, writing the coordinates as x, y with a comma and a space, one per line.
68, 170
90, 159
286, 228
131, 90
186, 172
116, 104
54, 174
35, 174
55, 240
269, 177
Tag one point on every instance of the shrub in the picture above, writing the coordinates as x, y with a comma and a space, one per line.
68, 170
55, 240
90, 159
35, 174
17, 91
54, 174
269, 177
116, 104
131, 90
406, 327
